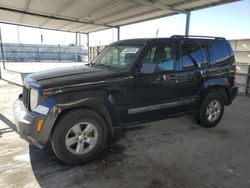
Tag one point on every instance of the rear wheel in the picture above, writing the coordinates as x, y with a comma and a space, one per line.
79, 136
211, 110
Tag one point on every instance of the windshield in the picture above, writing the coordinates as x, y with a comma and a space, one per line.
117, 56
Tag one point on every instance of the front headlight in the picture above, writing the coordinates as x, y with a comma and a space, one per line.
33, 99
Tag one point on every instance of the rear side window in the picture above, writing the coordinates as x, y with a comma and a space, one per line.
192, 56
220, 54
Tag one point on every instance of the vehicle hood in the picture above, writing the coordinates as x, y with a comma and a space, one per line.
69, 76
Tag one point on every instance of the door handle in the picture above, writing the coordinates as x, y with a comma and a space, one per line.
170, 78
164, 77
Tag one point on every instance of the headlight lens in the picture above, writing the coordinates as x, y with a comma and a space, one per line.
33, 99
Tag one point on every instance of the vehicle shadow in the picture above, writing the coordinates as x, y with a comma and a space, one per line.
49, 171
109, 168
131, 160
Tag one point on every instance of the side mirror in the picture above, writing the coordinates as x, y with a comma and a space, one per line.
147, 68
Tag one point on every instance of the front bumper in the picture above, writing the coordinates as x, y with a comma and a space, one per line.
26, 122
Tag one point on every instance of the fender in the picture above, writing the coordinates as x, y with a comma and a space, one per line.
100, 102
216, 83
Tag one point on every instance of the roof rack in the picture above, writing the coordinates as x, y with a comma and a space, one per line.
197, 36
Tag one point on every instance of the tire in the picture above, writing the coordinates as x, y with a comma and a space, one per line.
79, 136
211, 110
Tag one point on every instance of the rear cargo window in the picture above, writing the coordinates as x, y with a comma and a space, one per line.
220, 54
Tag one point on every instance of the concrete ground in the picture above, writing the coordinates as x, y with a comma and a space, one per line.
173, 153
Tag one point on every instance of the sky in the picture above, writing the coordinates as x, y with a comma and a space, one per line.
231, 21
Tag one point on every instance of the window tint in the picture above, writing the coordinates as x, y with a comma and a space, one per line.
192, 56
158, 58
220, 54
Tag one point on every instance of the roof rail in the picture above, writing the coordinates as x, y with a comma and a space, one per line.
197, 36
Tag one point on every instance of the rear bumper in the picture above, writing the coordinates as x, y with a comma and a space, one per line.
234, 93
25, 123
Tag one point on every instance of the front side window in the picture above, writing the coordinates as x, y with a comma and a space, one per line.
192, 56
117, 56
157, 59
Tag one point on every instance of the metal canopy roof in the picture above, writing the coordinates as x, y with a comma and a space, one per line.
93, 15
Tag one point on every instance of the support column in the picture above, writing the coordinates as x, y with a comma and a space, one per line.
2, 52
88, 47
76, 37
187, 23
76, 44
118, 33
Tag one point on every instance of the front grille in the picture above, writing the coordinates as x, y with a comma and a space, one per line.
26, 97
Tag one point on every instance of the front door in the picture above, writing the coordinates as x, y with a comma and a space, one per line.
154, 83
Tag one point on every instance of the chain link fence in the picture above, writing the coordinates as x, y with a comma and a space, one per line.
13, 52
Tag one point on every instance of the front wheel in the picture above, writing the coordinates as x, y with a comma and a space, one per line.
211, 110
79, 136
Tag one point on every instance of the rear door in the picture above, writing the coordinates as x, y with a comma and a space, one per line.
192, 69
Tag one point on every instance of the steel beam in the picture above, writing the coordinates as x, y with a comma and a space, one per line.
54, 17
26, 7
60, 9
158, 5
30, 26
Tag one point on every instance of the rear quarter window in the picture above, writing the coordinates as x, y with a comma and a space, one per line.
220, 54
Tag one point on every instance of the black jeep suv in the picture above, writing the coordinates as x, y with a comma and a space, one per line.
79, 109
